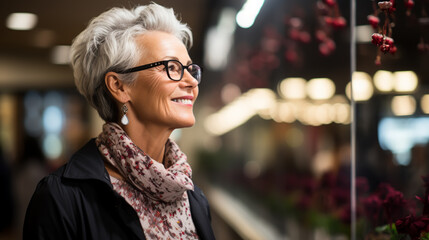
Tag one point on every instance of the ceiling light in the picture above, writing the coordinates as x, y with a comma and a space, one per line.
403, 105
248, 13
219, 40
292, 88
362, 87
405, 81
424, 102
60, 54
320, 88
383, 81
240, 111
21, 21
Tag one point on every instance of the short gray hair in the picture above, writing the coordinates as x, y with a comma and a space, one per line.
108, 44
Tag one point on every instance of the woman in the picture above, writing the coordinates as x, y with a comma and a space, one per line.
132, 181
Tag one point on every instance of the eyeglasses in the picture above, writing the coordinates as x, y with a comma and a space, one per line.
174, 68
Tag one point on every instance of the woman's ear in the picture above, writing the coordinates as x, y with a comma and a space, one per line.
116, 87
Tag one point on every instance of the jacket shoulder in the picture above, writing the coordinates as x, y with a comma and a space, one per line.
51, 207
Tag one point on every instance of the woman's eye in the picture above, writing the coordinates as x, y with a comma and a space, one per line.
173, 68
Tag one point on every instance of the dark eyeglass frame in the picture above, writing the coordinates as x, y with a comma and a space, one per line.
165, 63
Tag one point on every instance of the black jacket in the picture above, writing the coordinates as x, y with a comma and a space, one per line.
78, 202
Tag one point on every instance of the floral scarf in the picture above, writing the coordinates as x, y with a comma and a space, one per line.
157, 193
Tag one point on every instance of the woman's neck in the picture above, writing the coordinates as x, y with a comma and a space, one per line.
149, 139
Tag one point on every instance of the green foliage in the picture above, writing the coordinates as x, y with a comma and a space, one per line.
391, 230
425, 237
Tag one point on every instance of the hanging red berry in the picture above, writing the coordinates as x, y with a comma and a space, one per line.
294, 34
393, 50
330, 2
373, 21
331, 19
377, 60
385, 48
339, 23
377, 39
389, 40
324, 49
328, 20
321, 35
291, 55
304, 37
385, 5
409, 4
382, 38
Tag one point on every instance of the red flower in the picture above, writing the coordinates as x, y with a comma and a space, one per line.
372, 206
413, 226
384, 189
328, 180
394, 204
362, 185
345, 214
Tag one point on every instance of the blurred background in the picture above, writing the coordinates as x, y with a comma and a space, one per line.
285, 147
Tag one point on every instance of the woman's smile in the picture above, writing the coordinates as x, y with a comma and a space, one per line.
184, 100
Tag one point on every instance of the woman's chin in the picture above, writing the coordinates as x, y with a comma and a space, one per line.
185, 123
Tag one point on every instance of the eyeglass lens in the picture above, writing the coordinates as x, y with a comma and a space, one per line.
175, 70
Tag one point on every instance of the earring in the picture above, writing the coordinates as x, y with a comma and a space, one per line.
124, 119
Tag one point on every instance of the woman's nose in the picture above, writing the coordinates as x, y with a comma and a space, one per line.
188, 80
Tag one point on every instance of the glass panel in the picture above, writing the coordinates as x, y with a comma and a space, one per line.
277, 118
392, 136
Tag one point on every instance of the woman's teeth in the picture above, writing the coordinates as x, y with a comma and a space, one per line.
184, 101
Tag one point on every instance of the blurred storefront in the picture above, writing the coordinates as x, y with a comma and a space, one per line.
309, 125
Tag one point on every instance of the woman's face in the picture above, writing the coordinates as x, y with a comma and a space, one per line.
155, 99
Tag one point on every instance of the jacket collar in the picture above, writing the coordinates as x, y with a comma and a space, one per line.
87, 163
